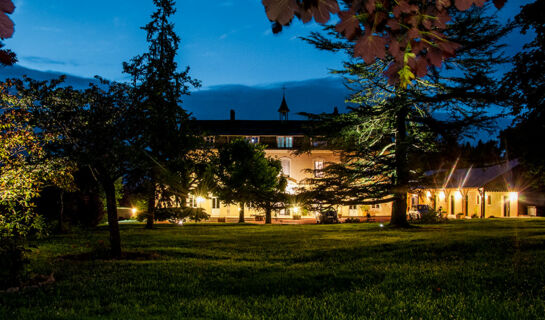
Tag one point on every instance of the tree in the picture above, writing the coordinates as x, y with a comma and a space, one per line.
392, 124
24, 171
526, 83
7, 57
93, 129
246, 175
164, 135
412, 32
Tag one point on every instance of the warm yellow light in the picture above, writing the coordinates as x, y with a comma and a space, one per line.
428, 194
442, 196
513, 196
458, 195
134, 211
200, 200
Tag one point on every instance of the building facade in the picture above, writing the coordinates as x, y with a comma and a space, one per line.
458, 193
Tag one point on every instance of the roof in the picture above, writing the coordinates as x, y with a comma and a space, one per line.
252, 127
284, 106
495, 177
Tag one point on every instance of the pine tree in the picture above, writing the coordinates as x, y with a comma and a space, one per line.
526, 84
391, 123
164, 137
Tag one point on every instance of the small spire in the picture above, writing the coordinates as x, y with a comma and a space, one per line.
284, 110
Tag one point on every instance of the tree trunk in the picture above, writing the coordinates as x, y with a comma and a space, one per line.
241, 213
268, 213
151, 205
399, 208
61, 212
113, 224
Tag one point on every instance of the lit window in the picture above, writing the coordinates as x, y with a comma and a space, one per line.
215, 203
286, 166
252, 140
318, 169
375, 206
210, 139
284, 142
353, 207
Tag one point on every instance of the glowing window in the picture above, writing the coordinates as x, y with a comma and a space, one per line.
286, 166
318, 169
284, 142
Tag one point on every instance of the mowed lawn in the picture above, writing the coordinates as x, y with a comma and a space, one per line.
493, 269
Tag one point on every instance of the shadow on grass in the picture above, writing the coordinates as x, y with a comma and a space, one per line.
100, 254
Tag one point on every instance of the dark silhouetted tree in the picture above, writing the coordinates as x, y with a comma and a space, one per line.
93, 127
391, 123
246, 176
526, 83
164, 137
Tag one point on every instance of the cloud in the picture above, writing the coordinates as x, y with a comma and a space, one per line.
223, 36
45, 60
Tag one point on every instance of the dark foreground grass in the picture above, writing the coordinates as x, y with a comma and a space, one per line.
491, 269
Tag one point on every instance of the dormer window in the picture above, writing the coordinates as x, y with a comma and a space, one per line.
284, 142
210, 139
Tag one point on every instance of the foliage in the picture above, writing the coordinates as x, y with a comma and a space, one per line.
181, 214
7, 57
430, 217
391, 125
24, 171
92, 126
526, 83
165, 142
411, 32
461, 270
246, 175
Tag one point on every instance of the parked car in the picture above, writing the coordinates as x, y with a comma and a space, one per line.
329, 216
417, 211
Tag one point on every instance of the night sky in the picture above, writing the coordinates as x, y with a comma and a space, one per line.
224, 41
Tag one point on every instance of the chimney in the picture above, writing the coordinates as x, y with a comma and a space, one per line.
232, 115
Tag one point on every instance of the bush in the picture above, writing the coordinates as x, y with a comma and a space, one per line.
474, 216
430, 217
352, 220
180, 214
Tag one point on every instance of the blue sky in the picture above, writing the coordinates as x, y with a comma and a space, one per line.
224, 41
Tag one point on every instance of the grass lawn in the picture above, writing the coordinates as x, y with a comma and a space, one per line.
493, 269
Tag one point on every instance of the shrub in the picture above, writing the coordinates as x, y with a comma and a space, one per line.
430, 217
352, 220
180, 214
